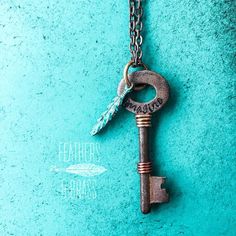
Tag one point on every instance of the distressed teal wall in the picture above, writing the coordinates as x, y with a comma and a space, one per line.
60, 64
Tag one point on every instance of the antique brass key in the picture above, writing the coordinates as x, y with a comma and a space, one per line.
150, 186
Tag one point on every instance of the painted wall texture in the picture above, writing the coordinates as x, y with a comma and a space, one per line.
60, 65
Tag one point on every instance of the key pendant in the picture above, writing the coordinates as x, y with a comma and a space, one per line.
150, 186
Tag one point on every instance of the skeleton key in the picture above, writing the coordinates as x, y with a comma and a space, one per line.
150, 186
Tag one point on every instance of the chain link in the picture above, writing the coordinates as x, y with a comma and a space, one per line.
135, 28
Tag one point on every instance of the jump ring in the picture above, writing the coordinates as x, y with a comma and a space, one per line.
126, 70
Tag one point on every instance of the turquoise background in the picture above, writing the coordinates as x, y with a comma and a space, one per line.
60, 65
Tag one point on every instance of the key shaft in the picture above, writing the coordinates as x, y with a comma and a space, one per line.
150, 186
144, 166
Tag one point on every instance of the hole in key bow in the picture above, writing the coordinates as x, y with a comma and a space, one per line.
144, 95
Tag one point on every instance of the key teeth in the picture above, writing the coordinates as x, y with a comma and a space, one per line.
157, 194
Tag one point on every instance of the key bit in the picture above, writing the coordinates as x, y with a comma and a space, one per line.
150, 186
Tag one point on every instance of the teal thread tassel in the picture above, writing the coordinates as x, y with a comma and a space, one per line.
110, 112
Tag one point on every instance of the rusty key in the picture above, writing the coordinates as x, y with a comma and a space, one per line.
150, 186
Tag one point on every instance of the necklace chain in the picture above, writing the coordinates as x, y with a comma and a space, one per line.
135, 28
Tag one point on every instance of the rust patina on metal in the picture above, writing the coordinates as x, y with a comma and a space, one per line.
150, 186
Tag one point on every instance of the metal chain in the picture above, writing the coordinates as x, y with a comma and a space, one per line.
135, 28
